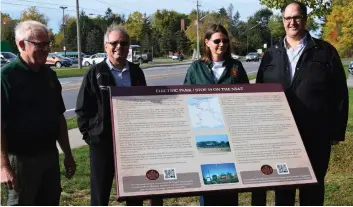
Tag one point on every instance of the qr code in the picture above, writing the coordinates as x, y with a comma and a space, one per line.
282, 169
170, 174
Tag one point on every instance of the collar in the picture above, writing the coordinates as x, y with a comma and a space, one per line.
111, 67
302, 41
311, 42
226, 61
23, 65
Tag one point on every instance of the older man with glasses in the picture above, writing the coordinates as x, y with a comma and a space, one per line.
311, 72
94, 115
32, 121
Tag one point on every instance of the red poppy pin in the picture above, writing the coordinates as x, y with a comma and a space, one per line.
234, 72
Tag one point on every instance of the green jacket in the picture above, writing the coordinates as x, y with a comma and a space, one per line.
200, 72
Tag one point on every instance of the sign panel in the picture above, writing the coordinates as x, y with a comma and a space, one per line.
193, 139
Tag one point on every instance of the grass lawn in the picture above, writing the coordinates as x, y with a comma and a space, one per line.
74, 72
253, 76
346, 69
346, 59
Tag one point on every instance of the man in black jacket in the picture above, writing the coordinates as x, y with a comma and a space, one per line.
311, 72
94, 115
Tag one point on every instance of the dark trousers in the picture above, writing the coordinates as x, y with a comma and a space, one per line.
219, 199
313, 194
39, 180
102, 175
258, 197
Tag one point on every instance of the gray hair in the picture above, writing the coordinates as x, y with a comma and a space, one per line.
118, 28
25, 29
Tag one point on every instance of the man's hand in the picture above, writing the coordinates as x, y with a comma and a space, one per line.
334, 142
9, 178
70, 166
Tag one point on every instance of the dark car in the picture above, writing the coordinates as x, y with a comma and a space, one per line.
350, 68
58, 61
74, 60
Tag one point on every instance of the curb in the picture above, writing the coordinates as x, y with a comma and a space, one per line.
163, 65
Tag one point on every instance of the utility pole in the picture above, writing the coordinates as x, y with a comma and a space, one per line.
197, 31
78, 35
63, 8
247, 38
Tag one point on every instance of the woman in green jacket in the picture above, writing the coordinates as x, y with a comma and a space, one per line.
217, 67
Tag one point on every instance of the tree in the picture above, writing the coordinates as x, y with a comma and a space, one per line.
182, 43
146, 33
276, 28
111, 18
94, 37
257, 29
8, 30
319, 8
71, 37
338, 29
33, 14
134, 25
165, 43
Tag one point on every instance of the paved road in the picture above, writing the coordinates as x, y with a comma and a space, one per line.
170, 75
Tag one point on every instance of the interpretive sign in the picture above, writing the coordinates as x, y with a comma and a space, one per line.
191, 139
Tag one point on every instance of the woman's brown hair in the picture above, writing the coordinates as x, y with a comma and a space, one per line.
214, 28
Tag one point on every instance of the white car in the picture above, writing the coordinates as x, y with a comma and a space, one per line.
86, 60
178, 57
93, 59
234, 56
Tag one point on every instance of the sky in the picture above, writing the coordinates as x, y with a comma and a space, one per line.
217, 169
216, 137
53, 11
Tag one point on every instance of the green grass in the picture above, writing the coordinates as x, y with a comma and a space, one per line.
75, 72
347, 59
72, 72
346, 69
71, 123
253, 76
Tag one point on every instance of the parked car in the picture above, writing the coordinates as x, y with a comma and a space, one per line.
179, 57
252, 56
350, 68
234, 56
58, 60
87, 60
7, 57
74, 60
93, 59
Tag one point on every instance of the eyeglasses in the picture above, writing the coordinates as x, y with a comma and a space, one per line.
122, 43
39, 44
217, 41
295, 18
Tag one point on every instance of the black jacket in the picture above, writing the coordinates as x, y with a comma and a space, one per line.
93, 101
317, 94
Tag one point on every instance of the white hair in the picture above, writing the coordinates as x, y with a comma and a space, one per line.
118, 28
26, 29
